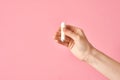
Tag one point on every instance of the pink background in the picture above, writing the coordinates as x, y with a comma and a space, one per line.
27, 27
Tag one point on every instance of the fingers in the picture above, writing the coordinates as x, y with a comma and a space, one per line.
68, 42
71, 35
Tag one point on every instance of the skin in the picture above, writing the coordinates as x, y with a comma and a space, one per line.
80, 47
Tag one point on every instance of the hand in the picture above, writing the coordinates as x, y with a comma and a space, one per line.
76, 41
78, 44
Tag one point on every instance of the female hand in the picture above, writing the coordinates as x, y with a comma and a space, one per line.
76, 41
78, 44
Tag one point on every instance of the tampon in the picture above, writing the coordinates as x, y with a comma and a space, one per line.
62, 32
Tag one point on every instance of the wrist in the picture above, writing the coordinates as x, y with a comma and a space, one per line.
92, 53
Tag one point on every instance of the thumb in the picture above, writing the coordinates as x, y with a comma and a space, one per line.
70, 33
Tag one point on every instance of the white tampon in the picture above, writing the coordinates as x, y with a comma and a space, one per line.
62, 32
